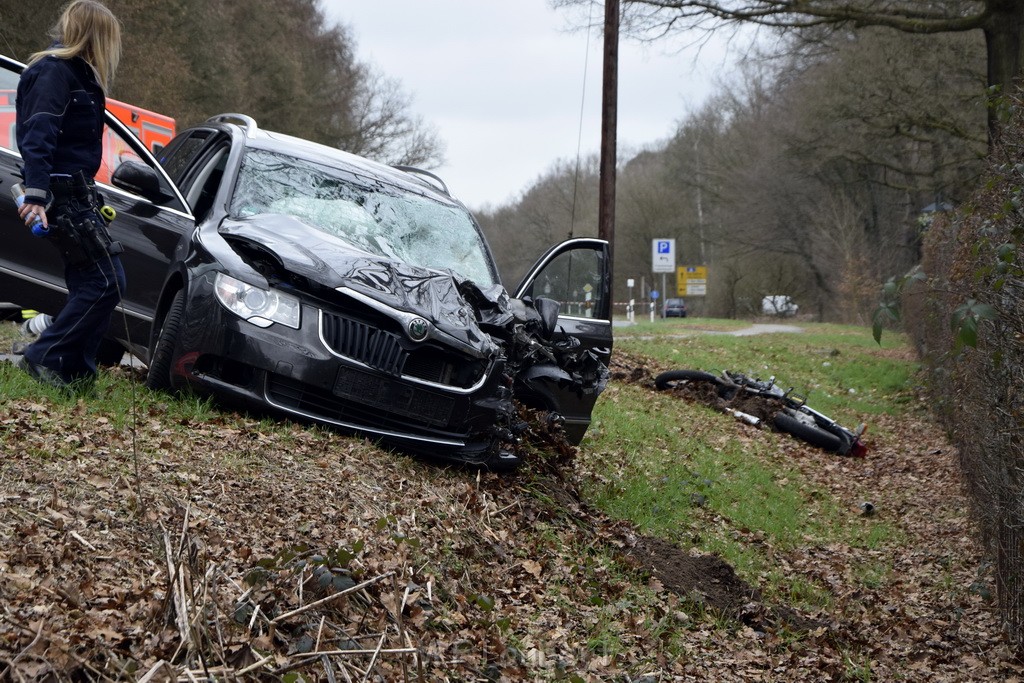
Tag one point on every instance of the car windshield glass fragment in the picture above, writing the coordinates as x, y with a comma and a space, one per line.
377, 218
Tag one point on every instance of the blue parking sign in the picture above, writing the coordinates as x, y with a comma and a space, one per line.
663, 255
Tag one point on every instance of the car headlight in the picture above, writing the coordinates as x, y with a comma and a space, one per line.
261, 307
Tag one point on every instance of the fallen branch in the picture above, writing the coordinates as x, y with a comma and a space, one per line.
10, 667
174, 576
373, 660
160, 667
328, 669
256, 665
329, 598
75, 535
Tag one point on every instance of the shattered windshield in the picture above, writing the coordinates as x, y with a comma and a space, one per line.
378, 218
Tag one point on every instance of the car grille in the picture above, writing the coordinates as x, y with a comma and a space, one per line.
368, 345
383, 351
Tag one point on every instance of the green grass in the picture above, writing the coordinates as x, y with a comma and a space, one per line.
839, 368
126, 405
685, 472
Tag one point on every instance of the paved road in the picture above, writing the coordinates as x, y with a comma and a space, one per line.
764, 328
756, 328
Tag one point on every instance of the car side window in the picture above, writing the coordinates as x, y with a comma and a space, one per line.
116, 151
178, 156
204, 186
574, 279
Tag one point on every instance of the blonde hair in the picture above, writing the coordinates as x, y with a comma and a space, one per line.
89, 30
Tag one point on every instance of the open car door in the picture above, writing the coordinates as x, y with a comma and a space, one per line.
575, 274
31, 271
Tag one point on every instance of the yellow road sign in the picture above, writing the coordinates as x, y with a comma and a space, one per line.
692, 280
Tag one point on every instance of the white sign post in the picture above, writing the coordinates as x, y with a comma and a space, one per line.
663, 259
629, 306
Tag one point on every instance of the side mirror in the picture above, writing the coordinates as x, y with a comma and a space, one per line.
138, 178
548, 309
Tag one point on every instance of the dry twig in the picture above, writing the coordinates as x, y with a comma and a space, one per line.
329, 598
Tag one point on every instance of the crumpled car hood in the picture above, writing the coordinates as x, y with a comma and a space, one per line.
480, 318
334, 263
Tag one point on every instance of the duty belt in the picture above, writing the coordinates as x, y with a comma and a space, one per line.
77, 187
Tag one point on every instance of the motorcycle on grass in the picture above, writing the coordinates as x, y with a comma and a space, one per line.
794, 417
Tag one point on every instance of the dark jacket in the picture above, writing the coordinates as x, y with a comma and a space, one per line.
60, 109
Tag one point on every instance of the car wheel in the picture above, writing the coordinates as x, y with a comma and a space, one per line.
161, 362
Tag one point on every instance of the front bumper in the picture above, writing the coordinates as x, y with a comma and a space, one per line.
340, 369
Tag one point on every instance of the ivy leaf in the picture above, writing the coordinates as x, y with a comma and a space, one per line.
484, 602
890, 290
885, 313
964, 321
1006, 252
967, 332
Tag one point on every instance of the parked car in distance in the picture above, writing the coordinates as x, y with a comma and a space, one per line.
778, 305
299, 280
673, 308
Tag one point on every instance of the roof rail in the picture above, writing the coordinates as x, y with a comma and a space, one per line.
427, 174
248, 122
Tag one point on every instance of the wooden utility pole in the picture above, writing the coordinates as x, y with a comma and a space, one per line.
609, 114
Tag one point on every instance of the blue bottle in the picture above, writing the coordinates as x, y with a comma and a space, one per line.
18, 192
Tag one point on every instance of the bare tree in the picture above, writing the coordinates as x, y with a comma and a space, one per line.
1000, 21
652, 204
561, 203
279, 61
812, 169
383, 128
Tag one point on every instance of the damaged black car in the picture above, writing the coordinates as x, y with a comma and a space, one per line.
294, 278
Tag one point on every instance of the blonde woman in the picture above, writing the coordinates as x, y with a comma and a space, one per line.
60, 110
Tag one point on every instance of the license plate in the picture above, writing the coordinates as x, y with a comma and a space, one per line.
394, 396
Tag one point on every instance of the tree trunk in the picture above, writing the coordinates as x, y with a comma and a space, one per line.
1005, 50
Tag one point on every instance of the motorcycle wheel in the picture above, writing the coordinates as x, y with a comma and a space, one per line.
812, 434
674, 378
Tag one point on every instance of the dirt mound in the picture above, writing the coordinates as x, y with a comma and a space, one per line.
705, 579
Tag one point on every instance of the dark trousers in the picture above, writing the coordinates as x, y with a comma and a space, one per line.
68, 346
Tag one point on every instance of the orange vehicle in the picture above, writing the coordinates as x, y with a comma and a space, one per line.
155, 131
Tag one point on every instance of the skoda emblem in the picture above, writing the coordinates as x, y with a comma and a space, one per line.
418, 329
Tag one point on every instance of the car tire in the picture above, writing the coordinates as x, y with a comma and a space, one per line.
159, 376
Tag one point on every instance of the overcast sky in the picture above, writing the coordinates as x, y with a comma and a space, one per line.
503, 83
